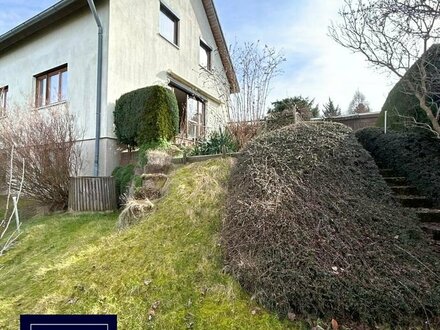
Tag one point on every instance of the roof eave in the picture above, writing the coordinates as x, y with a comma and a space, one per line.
222, 46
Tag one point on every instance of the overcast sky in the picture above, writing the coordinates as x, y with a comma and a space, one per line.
316, 66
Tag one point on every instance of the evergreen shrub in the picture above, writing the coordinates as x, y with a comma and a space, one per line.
146, 115
414, 155
311, 228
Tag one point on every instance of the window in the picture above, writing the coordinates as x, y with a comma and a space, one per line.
192, 113
169, 25
51, 87
3, 99
195, 118
205, 55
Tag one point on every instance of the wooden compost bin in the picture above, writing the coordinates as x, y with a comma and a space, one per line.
92, 194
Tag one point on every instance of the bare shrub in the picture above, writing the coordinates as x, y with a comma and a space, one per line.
311, 228
46, 141
244, 131
255, 65
134, 211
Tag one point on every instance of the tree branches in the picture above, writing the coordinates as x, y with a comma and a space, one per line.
393, 35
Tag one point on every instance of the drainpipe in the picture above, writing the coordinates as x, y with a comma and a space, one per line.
98, 87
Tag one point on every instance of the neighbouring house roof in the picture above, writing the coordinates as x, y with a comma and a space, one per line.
64, 8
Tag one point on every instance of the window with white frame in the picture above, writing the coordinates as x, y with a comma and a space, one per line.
3, 100
195, 118
51, 87
168, 25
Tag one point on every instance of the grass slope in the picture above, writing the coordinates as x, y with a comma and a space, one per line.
79, 264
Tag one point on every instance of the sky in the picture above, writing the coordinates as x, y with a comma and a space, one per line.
316, 66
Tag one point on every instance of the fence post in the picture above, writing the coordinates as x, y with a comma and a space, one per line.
385, 122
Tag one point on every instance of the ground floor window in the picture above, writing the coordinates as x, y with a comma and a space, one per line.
51, 87
3, 98
192, 114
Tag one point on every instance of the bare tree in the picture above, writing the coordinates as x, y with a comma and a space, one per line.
255, 66
394, 35
47, 142
358, 103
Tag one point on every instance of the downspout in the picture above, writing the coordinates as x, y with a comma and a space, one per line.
98, 87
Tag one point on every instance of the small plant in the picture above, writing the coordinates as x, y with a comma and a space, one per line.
123, 176
215, 144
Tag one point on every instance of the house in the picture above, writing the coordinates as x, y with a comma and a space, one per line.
84, 55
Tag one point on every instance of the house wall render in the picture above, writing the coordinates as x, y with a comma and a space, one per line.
135, 55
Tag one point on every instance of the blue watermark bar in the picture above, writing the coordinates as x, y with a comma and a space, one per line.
68, 322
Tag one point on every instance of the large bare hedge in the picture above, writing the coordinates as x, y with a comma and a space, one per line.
311, 228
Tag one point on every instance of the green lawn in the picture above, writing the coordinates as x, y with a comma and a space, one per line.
80, 264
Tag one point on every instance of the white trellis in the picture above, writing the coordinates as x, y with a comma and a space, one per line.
14, 191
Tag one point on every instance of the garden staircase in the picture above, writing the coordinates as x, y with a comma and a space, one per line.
409, 197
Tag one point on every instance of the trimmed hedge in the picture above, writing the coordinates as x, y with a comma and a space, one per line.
146, 115
311, 228
400, 103
415, 155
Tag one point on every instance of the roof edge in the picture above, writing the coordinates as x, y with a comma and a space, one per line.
220, 40
39, 21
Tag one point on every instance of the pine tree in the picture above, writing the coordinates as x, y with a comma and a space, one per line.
303, 106
330, 110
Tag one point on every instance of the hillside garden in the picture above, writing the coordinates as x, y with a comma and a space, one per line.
299, 231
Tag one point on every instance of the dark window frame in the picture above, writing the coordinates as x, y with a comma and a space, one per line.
173, 18
208, 51
45, 76
3, 100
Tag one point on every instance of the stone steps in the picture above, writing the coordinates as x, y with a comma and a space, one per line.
428, 215
432, 229
413, 201
395, 180
404, 190
408, 197
386, 172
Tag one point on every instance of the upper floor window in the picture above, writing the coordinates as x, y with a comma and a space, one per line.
3, 99
169, 25
205, 55
51, 87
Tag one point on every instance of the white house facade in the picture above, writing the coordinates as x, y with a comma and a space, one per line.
52, 61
